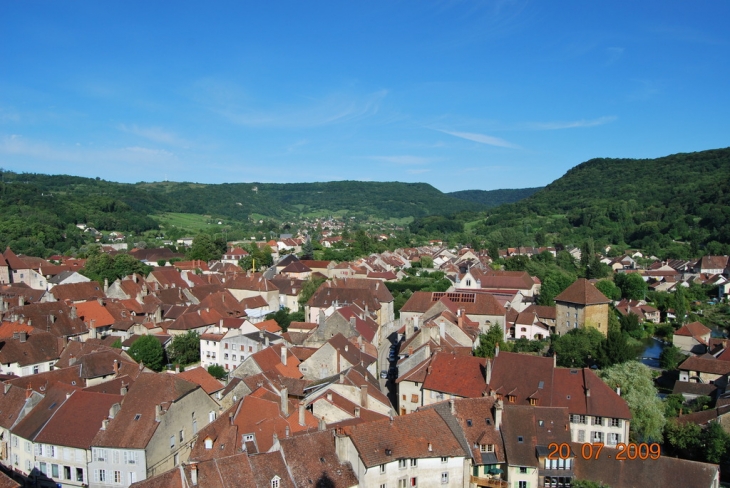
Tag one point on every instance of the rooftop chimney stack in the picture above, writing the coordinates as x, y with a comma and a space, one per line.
364, 396
194, 474
452, 406
283, 355
302, 409
284, 393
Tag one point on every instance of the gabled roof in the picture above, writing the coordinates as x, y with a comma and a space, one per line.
582, 292
201, 377
39, 347
312, 457
472, 303
524, 428
703, 365
695, 329
422, 434
462, 376
67, 428
77, 292
34, 421
134, 424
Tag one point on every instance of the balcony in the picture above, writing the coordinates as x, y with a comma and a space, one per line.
488, 482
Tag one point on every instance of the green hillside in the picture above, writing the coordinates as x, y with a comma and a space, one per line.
673, 205
38, 213
494, 198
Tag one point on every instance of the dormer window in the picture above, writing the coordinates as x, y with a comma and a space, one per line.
275, 482
511, 398
208, 443
533, 401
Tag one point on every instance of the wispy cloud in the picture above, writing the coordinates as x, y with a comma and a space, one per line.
333, 109
613, 54
568, 124
17, 145
155, 134
481, 138
404, 160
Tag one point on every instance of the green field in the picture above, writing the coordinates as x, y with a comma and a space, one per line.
188, 221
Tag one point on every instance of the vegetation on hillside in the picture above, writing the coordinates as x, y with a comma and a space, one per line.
494, 198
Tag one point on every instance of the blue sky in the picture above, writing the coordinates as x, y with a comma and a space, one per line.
461, 95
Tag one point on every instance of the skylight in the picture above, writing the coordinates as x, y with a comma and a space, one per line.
519, 439
541, 385
138, 416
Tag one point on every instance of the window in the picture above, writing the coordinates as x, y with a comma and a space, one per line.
211, 416
54, 470
195, 426
414, 481
234, 357
27, 446
100, 454
615, 422
414, 463
36, 370
414, 398
511, 398
225, 356
444, 460
27, 465
176, 459
172, 441
130, 457
581, 436
614, 439
382, 468
117, 477
401, 463
402, 483
99, 475
15, 441
275, 481
182, 436
444, 478
597, 420
132, 477
248, 438
67, 472
533, 401
523, 470
115, 456
596, 436
43, 468
225, 346
522, 484
383, 485
578, 419
468, 282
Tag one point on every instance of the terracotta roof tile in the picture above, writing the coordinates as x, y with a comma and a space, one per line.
201, 377
582, 292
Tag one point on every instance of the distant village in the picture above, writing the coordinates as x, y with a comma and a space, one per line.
360, 393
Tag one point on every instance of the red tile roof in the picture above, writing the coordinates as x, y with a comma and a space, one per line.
201, 377
582, 292
462, 376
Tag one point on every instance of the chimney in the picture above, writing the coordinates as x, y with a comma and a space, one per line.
321, 318
357, 412
158, 412
498, 407
177, 369
364, 396
266, 341
452, 406
28, 392
353, 322
342, 378
496, 351
588, 392
283, 355
488, 371
284, 401
194, 474
302, 408
230, 418
71, 360
555, 360
23, 336
100, 301
123, 390
329, 396
115, 365
460, 320
322, 425
16, 336
618, 390
286, 431
430, 447
104, 424
72, 314
106, 285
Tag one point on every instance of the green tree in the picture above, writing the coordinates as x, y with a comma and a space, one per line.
671, 357
101, 266
217, 371
281, 317
426, 262
308, 288
579, 348
632, 285
185, 348
637, 388
715, 443
683, 438
117, 344
307, 249
672, 404
631, 325
204, 248
553, 285
516, 263
148, 350
489, 341
680, 304
608, 288
587, 484
616, 348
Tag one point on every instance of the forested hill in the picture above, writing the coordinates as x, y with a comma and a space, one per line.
494, 198
37, 211
648, 203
